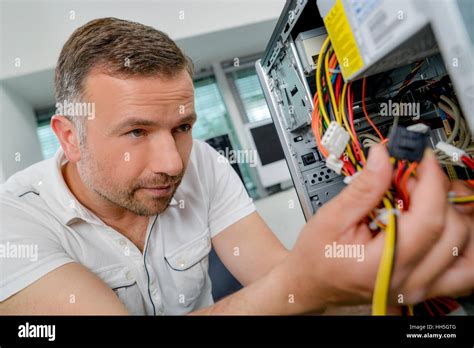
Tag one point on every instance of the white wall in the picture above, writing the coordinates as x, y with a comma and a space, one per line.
35, 30
283, 214
17, 134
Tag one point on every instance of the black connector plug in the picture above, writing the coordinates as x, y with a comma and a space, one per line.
404, 144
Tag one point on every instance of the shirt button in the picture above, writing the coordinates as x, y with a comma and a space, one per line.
181, 263
123, 242
129, 275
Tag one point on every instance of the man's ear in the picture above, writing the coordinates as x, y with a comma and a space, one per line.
68, 137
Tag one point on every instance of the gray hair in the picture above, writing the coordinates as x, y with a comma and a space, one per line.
118, 48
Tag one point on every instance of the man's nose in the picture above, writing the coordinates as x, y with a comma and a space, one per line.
165, 157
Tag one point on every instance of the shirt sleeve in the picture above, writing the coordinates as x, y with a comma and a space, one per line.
229, 200
28, 247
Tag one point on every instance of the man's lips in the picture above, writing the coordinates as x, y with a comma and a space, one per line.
159, 191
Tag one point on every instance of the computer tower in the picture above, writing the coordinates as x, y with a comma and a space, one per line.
406, 50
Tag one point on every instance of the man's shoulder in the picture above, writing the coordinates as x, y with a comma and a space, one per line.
201, 148
205, 156
26, 180
24, 207
20, 195
200, 170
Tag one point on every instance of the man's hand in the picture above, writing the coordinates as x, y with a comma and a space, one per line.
458, 280
431, 246
434, 248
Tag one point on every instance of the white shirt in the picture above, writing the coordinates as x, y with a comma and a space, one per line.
39, 212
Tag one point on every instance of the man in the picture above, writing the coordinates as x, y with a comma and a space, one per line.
125, 214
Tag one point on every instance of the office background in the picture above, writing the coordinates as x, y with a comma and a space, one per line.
224, 39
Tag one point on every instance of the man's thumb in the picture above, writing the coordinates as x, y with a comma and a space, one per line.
363, 194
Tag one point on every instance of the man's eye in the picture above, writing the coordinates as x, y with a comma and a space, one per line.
184, 128
137, 133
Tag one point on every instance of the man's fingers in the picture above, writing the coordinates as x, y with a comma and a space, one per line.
445, 252
429, 196
362, 195
460, 188
422, 226
458, 281
459, 278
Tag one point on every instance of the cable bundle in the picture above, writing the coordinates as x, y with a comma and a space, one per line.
338, 141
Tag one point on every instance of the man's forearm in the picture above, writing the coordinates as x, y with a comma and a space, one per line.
282, 291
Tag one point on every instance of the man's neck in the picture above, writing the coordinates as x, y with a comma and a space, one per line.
122, 220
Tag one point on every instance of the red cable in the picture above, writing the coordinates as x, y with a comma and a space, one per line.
316, 124
348, 165
440, 311
338, 87
403, 184
426, 303
398, 175
350, 103
451, 304
401, 165
364, 108
468, 161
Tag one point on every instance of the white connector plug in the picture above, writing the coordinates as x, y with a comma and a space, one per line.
334, 163
335, 140
419, 128
348, 179
452, 151
382, 217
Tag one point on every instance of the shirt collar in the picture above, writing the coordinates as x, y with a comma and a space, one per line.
61, 200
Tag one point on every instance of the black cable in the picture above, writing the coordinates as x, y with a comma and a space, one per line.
146, 269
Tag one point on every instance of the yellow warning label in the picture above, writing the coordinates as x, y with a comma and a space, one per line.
343, 41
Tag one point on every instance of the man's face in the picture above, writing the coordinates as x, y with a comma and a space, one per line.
138, 145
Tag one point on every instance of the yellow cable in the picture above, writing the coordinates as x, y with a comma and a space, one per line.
343, 112
331, 91
318, 81
350, 154
389, 195
344, 120
462, 199
382, 282
342, 115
